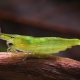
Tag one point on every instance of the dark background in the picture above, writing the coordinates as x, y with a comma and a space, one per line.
57, 18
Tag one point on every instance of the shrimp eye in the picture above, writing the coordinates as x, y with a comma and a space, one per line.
10, 44
12, 37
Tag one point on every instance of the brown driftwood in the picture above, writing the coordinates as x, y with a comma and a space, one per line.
13, 67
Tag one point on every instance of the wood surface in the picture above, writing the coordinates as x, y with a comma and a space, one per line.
27, 67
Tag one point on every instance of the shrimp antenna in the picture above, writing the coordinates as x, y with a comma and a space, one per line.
0, 30
0, 27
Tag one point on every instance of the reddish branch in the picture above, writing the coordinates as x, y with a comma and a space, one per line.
13, 67
38, 23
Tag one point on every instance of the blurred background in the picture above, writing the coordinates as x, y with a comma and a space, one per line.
56, 18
